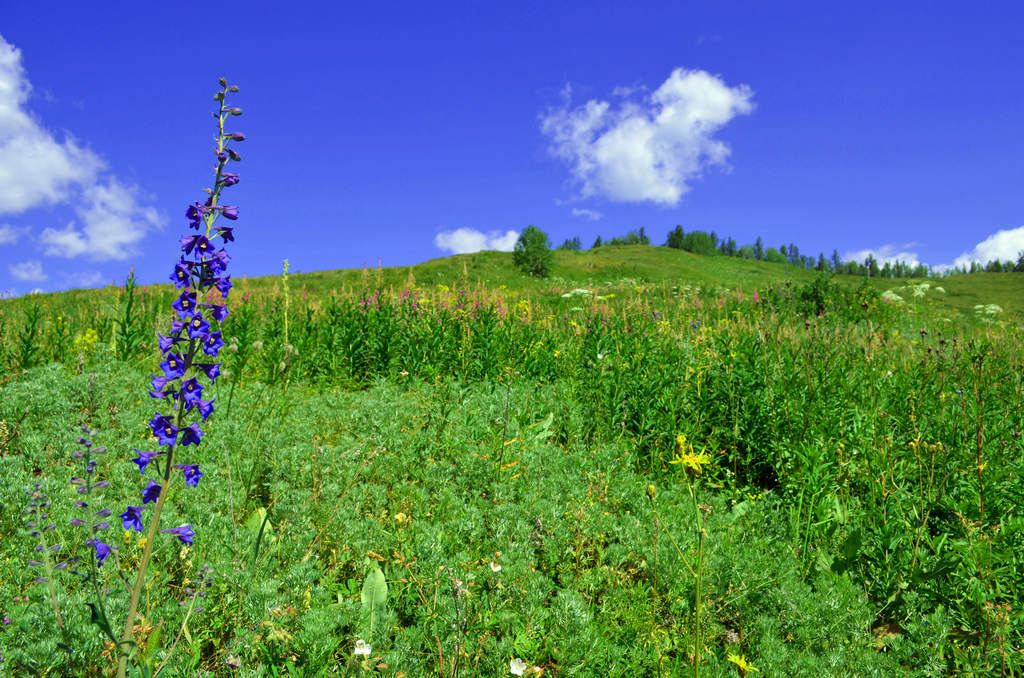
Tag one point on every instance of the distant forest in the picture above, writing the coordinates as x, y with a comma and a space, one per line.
709, 244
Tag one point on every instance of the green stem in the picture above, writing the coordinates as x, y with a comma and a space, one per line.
147, 550
697, 598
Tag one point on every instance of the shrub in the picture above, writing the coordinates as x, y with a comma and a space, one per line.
532, 253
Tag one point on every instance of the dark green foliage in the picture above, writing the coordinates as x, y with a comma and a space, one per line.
27, 342
129, 329
532, 254
572, 244
632, 238
698, 242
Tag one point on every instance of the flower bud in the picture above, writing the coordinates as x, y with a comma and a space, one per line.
235, 111
234, 155
235, 136
230, 212
651, 491
223, 82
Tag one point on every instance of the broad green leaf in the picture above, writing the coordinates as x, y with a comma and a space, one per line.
375, 590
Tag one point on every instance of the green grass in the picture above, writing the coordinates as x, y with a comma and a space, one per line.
861, 505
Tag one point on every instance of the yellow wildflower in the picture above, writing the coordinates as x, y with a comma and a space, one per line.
741, 663
687, 457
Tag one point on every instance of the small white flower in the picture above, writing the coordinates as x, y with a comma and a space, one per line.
600, 355
517, 666
404, 373
362, 648
495, 567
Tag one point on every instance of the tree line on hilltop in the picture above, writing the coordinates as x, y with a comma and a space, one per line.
710, 244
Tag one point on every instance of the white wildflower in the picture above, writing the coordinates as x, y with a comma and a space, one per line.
495, 567
517, 666
362, 648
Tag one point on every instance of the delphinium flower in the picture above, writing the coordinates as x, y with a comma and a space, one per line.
189, 349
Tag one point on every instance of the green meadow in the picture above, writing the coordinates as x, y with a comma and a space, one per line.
650, 464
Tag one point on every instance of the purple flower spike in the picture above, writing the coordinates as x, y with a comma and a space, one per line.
180, 275
191, 473
167, 343
184, 533
191, 434
163, 429
220, 312
194, 214
192, 389
144, 458
223, 285
102, 550
173, 366
151, 493
198, 327
230, 212
211, 370
197, 242
132, 518
206, 408
185, 305
213, 344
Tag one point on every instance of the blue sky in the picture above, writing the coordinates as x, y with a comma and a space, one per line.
401, 132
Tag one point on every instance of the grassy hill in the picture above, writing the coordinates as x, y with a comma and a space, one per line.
646, 479
631, 264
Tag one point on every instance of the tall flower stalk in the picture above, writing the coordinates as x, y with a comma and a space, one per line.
189, 351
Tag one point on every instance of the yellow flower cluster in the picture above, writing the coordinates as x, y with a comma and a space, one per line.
86, 341
695, 461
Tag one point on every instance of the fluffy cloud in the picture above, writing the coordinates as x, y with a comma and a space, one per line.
466, 240
8, 235
647, 150
38, 170
84, 279
1005, 245
113, 224
593, 215
27, 271
886, 254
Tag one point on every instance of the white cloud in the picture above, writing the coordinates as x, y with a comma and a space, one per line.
593, 215
647, 150
113, 224
38, 170
27, 271
466, 240
886, 254
1004, 245
8, 234
84, 279
35, 169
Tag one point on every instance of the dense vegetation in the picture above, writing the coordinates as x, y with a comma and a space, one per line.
596, 474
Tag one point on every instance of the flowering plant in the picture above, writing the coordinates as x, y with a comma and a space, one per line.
189, 352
